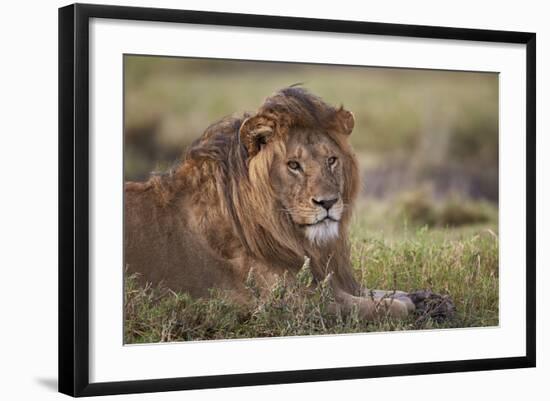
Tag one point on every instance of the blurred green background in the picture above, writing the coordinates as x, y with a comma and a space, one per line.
427, 141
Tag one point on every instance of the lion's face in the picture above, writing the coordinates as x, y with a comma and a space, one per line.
309, 182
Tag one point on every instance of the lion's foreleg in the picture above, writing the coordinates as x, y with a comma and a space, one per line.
371, 308
401, 296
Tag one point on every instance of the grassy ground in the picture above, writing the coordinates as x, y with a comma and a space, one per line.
388, 253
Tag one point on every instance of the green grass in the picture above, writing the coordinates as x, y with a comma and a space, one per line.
386, 254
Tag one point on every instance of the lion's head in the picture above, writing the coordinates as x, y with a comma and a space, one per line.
285, 177
312, 171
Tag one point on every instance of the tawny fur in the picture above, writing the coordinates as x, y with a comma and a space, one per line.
224, 211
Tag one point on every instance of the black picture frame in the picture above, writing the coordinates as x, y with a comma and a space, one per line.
74, 198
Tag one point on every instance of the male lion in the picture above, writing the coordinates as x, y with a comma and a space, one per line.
259, 192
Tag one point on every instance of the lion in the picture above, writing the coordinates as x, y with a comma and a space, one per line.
258, 192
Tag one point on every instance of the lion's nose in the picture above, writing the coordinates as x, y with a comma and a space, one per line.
326, 203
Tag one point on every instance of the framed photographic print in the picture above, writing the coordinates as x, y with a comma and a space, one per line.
239, 192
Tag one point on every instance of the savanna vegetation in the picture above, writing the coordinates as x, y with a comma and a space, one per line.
461, 262
427, 217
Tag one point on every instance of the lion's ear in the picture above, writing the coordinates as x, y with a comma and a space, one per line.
255, 132
346, 120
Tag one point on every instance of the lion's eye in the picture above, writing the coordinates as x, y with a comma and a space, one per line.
331, 161
293, 165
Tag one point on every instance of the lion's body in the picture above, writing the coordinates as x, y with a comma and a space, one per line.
233, 205
161, 246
